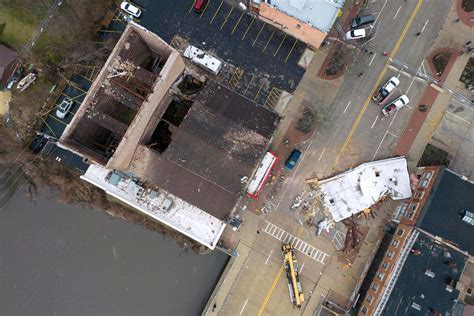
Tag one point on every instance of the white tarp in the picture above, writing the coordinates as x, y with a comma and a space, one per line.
357, 189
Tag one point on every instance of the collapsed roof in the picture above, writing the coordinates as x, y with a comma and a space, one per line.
357, 189
196, 147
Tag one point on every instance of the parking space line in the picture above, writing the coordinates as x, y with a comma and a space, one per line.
268, 42
373, 57
302, 266
250, 82
261, 29
192, 5
243, 307
347, 106
279, 46
218, 9
237, 24
269, 255
390, 133
205, 8
248, 28
395, 16
291, 50
373, 124
258, 92
49, 127
56, 119
227, 17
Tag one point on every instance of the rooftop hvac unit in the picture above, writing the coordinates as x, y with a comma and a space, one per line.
166, 205
429, 273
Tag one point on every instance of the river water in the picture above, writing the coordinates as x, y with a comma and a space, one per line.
63, 259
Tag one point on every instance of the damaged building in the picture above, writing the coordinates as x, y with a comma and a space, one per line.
166, 141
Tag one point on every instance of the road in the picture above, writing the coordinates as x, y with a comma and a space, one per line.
354, 132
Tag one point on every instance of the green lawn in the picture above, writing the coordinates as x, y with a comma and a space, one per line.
15, 26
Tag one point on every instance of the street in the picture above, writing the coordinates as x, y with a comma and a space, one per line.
354, 131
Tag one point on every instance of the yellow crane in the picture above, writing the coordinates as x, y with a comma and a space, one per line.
292, 275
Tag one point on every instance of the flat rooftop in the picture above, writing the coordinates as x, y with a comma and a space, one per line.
441, 215
415, 288
320, 14
158, 204
353, 191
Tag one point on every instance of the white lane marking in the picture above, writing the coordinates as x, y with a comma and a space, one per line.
390, 133
395, 16
417, 71
297, 243
424, 26
269, 255
380, 12
385, 135
321, 156
243, 307
372, 59
409, 87
375, 121
467, 122
302, 266
347, 106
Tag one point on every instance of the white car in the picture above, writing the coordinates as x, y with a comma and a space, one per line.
386, 89
64, 108
395, 105
355, 34
131, 9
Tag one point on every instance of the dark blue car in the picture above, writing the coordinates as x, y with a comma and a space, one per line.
292, 159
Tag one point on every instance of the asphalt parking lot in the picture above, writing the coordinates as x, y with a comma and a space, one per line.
267, 58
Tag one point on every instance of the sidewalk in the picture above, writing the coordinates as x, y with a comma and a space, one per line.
417, 134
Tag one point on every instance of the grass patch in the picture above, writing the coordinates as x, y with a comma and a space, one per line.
16, 25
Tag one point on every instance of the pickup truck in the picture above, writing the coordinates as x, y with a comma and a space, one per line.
395, 105
385, 90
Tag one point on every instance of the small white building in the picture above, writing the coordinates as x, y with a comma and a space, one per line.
357, 189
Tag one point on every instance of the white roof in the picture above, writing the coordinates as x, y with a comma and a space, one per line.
319, 13
357, 189
160, 205
203, 59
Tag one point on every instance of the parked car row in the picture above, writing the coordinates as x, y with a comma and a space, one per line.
383, 94
359, 25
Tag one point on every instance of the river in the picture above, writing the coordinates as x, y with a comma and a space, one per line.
63, 259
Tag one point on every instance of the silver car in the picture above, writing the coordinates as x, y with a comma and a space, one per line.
64, 108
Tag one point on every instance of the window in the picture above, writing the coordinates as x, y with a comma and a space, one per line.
400, 232
375, 287
424, 183
364, 310
409, 215
370, 299
427, 175
298, 26
419, 194
395, 243
380, 275
413, 206
390, 254
385, 265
